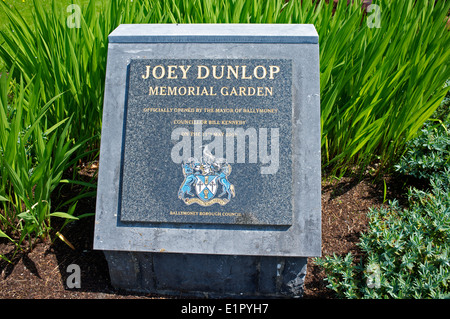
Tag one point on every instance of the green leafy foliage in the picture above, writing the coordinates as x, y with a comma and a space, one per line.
378, 85
406, 251
33, 158
378, 92
429, 153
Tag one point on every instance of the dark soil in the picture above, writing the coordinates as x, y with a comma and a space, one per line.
42, 272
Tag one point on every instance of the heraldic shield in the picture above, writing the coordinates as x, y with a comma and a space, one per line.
206, 186
206, 182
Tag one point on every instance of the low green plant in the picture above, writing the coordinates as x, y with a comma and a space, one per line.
429, 153
33, 158
405, 251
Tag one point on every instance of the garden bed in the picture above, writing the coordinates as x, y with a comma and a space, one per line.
42, 273
373, 101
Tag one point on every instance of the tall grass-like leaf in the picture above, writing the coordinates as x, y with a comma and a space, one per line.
63, 215
33, 158
378, 86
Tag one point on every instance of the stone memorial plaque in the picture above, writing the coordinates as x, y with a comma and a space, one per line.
208, 141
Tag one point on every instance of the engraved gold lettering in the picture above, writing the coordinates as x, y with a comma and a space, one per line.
205, 91
235, 71
161, 74
217, 71
214, 72
172, 90
153, 90
182, 90
273, 69
246, 91
184, 69
171, 72
147, 74
264, 70
200, 74
245, 77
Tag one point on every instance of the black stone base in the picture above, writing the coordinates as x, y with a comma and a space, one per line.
208, 276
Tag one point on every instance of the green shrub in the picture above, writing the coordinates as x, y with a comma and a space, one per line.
429, 153
405, 251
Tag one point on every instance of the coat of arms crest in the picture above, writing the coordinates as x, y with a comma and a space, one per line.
205, 177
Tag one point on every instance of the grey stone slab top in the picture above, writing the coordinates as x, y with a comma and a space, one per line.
214, 33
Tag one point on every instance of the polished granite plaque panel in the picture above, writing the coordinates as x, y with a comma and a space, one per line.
208, 141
